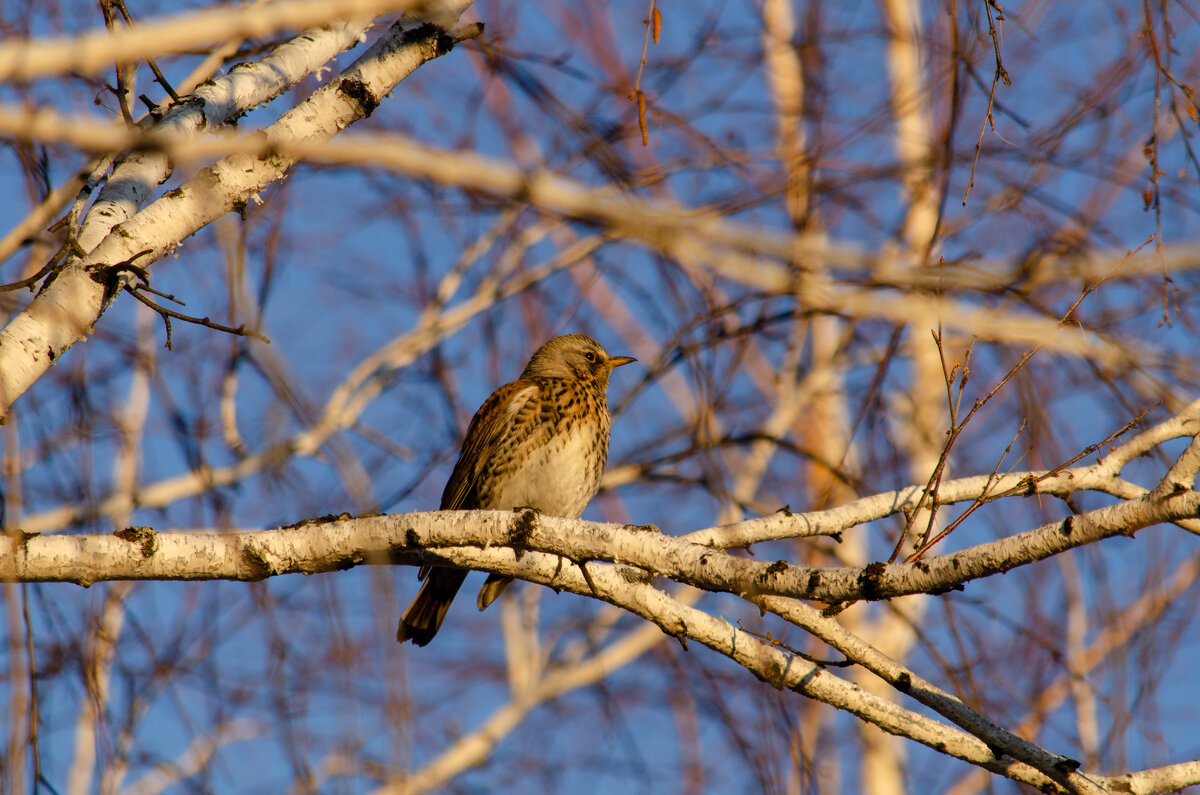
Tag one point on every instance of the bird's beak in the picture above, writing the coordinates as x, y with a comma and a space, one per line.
617, 361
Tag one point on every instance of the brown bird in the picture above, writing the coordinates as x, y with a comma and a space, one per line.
540, 442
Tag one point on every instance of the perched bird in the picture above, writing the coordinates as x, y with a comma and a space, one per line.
540, 442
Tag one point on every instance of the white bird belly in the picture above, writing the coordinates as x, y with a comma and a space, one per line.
558, 478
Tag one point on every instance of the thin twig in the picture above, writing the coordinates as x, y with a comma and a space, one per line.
120, 91
653, 24
930, 492
1000, 74
1151, 197
158, 76
167, 314
779, 644
50, 266
982, 500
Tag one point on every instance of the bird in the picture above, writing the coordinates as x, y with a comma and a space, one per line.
539, 442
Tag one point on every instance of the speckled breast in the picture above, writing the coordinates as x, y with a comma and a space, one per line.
557, 469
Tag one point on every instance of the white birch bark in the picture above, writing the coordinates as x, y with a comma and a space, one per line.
212, 105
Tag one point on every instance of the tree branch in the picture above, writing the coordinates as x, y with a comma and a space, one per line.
65, 311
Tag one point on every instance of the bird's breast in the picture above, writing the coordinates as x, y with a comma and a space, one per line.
557, 473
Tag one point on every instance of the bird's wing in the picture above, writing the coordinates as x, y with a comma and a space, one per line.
490, 428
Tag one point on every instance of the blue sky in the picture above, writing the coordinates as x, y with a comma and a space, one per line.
343, 260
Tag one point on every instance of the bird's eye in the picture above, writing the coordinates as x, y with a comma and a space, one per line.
591, 357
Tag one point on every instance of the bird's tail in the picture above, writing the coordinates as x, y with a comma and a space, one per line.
424, 616
492, 589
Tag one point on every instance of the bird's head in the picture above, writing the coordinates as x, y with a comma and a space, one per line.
574, 356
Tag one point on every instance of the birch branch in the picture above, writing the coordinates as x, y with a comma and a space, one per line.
497, 537
66, 310
767, 661
443, 536
729, 250
695, 559
93, 52
213, 105
908, 682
